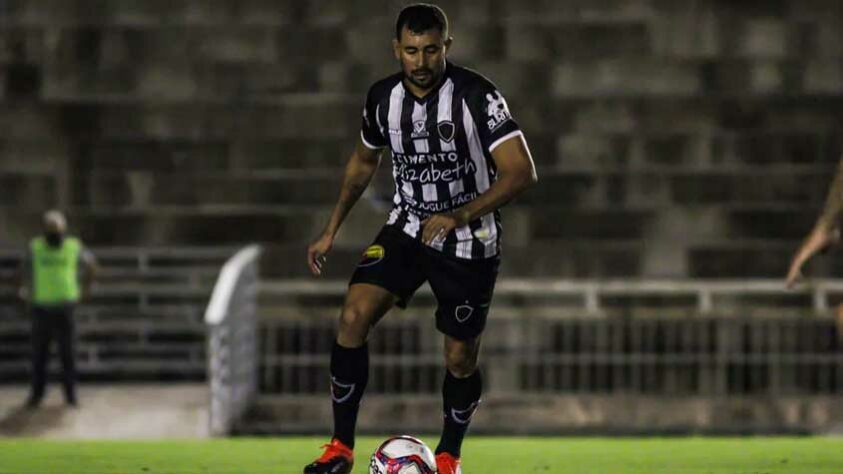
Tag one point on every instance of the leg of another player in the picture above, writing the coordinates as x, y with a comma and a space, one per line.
364, 306
460, 393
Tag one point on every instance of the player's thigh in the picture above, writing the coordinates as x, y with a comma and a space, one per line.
463, 290
365, 304
392, 262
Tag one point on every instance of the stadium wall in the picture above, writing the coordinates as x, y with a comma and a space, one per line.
225, 122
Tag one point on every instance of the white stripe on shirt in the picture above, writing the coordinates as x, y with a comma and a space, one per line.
489, 231
396, 104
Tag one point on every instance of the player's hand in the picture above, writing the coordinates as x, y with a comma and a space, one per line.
817, 241
437, 226
317, 253
794, 274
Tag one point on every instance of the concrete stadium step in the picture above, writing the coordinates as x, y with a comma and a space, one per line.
28, 121
206, 155
567, 413
168, 225
561, 223
207, 189
32, 191
541, 257
32, 156
152, 13
120, 411
788, 223
749, 259
294, 116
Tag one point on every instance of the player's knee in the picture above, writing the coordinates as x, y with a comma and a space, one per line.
460, 363
353, 320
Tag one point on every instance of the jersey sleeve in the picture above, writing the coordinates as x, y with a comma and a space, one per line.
495, 124
370, 131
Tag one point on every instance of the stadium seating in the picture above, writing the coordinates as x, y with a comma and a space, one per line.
185, 121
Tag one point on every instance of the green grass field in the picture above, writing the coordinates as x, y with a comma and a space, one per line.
480, 455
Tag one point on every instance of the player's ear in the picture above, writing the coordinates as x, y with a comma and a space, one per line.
396, 48
448, 43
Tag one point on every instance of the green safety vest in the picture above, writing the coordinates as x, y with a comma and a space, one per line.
54, 271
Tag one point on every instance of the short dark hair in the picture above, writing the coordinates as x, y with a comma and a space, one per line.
421, 17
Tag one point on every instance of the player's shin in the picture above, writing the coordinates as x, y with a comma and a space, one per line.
460, 400
349, 375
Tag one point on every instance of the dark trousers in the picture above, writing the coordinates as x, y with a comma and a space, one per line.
48, 324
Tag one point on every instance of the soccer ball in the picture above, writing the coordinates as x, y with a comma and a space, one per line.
402, 455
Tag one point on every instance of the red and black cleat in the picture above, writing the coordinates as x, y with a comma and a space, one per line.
337, 459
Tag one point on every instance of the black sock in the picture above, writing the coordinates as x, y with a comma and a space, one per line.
349, 375
460, 397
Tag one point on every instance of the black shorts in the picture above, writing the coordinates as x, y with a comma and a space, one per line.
463, 288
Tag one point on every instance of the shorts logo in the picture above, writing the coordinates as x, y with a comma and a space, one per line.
372, 255
446, 131
463, 312
418, 130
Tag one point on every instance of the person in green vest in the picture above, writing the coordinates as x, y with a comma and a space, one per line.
55, 276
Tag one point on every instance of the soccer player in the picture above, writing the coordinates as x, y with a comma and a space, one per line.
457, 157
825, 232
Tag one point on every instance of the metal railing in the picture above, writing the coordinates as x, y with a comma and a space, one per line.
232, 340
143, 321
548, 336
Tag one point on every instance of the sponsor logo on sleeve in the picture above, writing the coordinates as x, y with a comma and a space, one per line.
497, 110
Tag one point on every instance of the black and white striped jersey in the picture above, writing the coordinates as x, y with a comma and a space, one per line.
441, 152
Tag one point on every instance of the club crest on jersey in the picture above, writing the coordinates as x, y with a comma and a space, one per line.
497, 110
418, 130
372, 255
446, 131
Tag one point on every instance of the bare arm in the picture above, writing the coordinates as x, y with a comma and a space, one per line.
833, 203
825, 232
516, 173
359, 171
